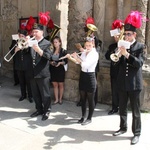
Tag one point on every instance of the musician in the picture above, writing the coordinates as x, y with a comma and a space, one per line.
97, 45
57, 70
114, 68
22, 61
87, 82
130, 78
40, 83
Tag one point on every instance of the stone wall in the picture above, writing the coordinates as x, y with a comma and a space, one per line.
104, 12
70, 15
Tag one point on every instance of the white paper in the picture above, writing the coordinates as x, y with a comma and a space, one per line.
15, 36
126, 44
115, 32
32, 42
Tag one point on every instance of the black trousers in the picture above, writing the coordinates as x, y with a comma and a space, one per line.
115, 95
16, 78
41, 94
134, 97
24, 80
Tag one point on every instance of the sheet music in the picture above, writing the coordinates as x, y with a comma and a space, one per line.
32, 42
126, 44
114, 32
15, 37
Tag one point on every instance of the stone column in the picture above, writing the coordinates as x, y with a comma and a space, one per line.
148, 29
99, 15
142, 7
79, 10
120, 5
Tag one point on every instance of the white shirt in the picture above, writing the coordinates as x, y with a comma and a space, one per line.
89, 61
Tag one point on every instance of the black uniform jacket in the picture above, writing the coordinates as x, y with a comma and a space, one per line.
41, 63
22, 58
130, 70
114, 67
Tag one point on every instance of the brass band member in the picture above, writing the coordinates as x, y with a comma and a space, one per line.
40, 83
90, 29
87, 82
114, 68
130, 77
23, 67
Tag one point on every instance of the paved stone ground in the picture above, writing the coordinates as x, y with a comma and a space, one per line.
61, 131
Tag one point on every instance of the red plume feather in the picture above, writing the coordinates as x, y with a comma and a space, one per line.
44, 18
30, 23
134, 18
50, 24
117, 24
89, 20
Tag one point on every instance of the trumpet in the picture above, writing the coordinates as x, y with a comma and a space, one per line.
115, 56
22, 43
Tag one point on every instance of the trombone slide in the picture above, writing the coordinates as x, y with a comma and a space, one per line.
5, 57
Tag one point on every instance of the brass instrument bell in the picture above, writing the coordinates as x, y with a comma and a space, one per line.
54, 32
92, 28
115, 56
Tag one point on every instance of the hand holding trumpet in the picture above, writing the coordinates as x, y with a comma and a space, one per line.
123, 51
120, 51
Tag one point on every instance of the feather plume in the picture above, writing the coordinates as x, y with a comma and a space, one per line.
117, 24
50, 24
44, 18
134, 18
89, 20
30, 23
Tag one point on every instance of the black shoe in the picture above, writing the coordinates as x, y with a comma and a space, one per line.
135, 140
86, 122
30, 99
79, 103
81, 120
37, 113
112, 111
22, 98
45, 116
61, 102
119, 132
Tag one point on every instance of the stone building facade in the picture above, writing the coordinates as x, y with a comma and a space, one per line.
70, 15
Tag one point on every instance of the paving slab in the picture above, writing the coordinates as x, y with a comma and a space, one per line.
61, 131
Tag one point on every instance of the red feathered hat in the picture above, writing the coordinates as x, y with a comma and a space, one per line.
28, 24
89, 20
44, 18
133, 21
117, 24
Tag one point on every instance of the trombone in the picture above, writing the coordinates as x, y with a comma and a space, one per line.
21, 44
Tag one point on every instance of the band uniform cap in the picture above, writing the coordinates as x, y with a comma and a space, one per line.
129, 27
24, 32
37, 26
